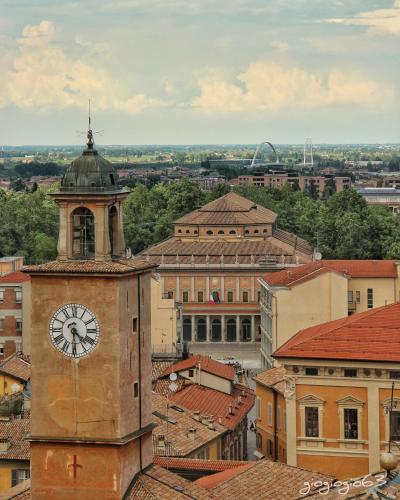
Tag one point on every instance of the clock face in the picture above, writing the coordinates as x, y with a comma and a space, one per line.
74, 330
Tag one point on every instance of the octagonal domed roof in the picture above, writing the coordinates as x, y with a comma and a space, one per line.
90, 173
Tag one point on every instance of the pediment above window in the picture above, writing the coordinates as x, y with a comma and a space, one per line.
350, 401
311, 400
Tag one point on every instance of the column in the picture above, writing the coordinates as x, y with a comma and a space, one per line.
222, 288
237, 289
291, 453
223, 332
64, 247
193, 297
207, 297
193, 329
237, 328
253, 328
177, 291
373, 431
208, 327
252, 289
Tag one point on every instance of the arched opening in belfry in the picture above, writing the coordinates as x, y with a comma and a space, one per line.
113, 228
83, 239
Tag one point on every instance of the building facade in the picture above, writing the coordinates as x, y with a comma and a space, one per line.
14, 313
333, 392
333, 289
212, 264
303, 182
384, 196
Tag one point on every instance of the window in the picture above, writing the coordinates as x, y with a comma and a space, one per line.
278, 418
200, 296
269, 414
311, 371
170, 294
350, 372
394, 374
215, 296
395, 426
221, 232
258, 295
230, 296
185, 296
83, 234
187, 231
350, 296
136, 390
1, 350
258, 408
246, 232
311, 416
370, 298
232, 232
350, 423
1, 295
284, 421
258, 440
255, 231
269, 448
209, 233
245, 296
358, 296
19, 475
134, 325
18, 325
191, 372
18, 296
1, 324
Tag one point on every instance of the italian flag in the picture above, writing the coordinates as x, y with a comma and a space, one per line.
212, 301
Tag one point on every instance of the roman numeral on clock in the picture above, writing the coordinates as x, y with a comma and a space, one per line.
91, 330
65, 346
89, 340
58, 339
74, 311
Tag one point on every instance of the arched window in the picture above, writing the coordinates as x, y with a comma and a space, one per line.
196, 232
265, 230
232, 232
83, 239
113, 228
216, 330
246, 232
201, 330
187, 231
187, 330
231, 330
221, 232
179, 231
210, 233
255, 231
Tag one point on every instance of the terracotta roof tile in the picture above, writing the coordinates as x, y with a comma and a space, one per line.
17, 365
206, 363
215, 403
214, 480
16, 431
197, 464
17, 277
352, 268
120, 266
157, 368
266, 480
274, 377
178, 442
230, 209
372, 335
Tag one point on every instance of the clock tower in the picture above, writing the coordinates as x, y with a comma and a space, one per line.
91, 351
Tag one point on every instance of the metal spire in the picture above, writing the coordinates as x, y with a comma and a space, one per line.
90, 142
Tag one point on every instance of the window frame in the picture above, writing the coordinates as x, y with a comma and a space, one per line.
315, 411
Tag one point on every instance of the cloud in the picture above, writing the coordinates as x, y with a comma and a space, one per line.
43, 76
279, 45
380, 21
267, 86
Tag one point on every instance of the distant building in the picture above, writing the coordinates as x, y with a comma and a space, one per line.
15, 300
279, 179
334, 289
385, 196
326, 408
212, 262
10, 264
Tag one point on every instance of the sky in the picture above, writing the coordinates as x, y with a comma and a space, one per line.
200, 71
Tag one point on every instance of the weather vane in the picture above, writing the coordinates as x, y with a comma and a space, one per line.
89, 133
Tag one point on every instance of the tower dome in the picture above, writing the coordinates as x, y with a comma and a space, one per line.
90, 173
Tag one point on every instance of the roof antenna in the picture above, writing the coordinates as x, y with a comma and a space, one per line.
90, 133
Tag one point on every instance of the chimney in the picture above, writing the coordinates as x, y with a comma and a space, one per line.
220, 420
230, 410
204, 419
211, 425
161, 441
196, 415
4, 445
240, 402
192, 433
244, 393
